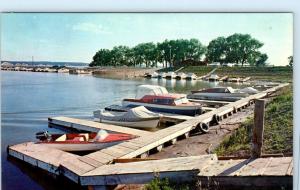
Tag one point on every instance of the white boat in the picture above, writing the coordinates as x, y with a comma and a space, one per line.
157, 99
154, 75
213, 77
248, 90
162, 75
191, 76
181, 76
222, 93
171, 75
219, 92
138, 117
74, 142
63, 70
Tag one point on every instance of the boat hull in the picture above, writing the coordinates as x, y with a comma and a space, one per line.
208, 94
180, 110
79, 147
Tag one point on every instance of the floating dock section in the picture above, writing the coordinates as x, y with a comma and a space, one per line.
98, 169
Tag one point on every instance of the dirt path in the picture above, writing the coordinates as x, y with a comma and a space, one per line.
204, 143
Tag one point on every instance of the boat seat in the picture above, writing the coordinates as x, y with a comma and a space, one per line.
86, 135
78, 139
62, 138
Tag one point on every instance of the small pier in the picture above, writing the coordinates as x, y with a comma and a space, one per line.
91, 126
98, 169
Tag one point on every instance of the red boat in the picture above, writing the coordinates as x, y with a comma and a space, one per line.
74, 142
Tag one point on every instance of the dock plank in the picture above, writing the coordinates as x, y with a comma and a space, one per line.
278, 166
41, 156
94, 126
114, 173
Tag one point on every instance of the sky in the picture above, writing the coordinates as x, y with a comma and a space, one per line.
78, 36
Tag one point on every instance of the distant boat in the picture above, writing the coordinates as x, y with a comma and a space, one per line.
63, 70
75, 142
213, 77
191, 76
181, 76
138, 117
161, 75
171, 75
157, 99
222, 93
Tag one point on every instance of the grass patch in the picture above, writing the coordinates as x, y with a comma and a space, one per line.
278, 131
164, 184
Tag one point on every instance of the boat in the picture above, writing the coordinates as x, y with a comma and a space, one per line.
171, 75
181, 76
154, 75
161, 75
221, 93
191, 76
213, 77
138, 117
80, 142
157, 99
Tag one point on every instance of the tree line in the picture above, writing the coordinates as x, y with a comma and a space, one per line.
237, 48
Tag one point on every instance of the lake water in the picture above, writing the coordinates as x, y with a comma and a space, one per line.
28, 99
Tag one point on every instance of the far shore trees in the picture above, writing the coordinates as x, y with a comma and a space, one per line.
237, 48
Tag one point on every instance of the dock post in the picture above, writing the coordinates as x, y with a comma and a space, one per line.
258, 130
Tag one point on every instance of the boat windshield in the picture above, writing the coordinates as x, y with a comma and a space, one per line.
164, 101
182, 100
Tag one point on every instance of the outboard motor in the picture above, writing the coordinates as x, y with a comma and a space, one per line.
44, 135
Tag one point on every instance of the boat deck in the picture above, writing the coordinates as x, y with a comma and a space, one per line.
83, 169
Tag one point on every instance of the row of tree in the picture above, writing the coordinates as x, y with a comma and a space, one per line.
237, 48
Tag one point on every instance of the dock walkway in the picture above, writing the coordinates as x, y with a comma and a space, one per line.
77, 168
92, 126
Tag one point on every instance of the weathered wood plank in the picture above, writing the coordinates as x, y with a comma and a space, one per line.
100, 157
94, 126
220, 168
115, 174
278, 166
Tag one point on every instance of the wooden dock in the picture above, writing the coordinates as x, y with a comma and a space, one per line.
83, 169
91, 126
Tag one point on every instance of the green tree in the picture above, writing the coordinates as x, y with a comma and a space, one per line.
241, 48
237, 48
262, 60
216, 50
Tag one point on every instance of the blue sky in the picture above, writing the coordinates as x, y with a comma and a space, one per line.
77, 36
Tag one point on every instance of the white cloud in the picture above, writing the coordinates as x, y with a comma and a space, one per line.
90, 27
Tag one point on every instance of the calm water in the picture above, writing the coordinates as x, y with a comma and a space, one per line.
28, 99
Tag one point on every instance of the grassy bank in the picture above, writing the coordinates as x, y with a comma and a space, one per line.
278, 133
280, 74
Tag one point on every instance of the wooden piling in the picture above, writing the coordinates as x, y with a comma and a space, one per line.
258, 130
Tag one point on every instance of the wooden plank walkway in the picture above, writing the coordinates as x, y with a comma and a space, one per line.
182, 168
40, 156
74, 167
92, 126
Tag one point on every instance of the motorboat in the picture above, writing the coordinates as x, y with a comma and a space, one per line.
191, 76
137, 117
181, 76
157, 99
213, 77
171, 75
161, 75
79, 142
222, 93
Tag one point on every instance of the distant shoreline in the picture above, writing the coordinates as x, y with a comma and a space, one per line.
109, 72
